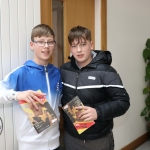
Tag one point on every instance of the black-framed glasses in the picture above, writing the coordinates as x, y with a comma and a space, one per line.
42, 43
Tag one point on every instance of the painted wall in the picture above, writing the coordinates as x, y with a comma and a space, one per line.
128, 29
17, 18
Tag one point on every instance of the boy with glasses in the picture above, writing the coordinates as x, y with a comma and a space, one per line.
36, 74
90, 77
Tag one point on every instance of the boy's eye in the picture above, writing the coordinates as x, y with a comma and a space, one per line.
50, 42
82, 44
73, 46
41, 42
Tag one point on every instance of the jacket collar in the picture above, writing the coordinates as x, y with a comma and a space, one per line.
99, 57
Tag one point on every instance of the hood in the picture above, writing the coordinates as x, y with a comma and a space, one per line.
32, 64
102, 57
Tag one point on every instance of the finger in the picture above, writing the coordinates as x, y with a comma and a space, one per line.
88, 119
80, 115
29, 103
79, 107
83, 117
38, 93
38, 99
33, 102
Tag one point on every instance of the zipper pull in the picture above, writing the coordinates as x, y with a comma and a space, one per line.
84, 141
45, 69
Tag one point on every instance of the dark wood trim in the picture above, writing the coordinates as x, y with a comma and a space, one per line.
136, 143
103, 24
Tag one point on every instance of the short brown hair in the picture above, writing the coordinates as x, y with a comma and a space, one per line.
41, 30
78, 33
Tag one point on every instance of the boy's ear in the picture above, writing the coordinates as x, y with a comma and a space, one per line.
92, 45
31, 45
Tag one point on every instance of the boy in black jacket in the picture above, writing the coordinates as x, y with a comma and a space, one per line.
90, 77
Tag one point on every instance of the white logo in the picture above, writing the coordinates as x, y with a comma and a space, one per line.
92, 78
1, 126
57, 87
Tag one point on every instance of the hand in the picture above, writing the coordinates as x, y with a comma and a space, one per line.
30, 97
88, 113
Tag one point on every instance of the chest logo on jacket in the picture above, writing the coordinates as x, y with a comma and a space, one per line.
91, 77
1, 126
57, 87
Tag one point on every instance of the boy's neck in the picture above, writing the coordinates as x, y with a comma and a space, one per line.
42, 63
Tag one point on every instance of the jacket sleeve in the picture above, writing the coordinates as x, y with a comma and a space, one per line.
8, 88
7, 96
117, 102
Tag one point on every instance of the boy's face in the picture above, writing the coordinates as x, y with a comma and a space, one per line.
82, 51
42, 53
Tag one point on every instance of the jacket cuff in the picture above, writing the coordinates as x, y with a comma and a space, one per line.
11, 95
98, 113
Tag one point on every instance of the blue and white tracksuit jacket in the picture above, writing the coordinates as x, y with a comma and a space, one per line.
31, 76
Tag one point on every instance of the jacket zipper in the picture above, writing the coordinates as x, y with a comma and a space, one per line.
48, 85
75, 92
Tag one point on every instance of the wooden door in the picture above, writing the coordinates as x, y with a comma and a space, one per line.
77, 12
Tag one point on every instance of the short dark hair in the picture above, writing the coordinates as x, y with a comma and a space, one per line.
79, 33
41, 30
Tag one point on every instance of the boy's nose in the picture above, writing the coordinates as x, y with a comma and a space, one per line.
78, 48
46, 45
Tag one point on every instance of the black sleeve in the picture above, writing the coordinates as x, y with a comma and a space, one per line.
118, 99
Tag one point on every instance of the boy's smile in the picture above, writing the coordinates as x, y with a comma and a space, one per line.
80, 56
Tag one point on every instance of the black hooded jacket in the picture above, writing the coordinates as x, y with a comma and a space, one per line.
98, 85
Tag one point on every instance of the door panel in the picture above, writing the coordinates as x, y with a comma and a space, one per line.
77, 12
46, 12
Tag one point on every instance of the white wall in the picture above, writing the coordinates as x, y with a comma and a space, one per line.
17, 18
128, 29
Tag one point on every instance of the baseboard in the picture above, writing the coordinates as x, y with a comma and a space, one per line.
138, 142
